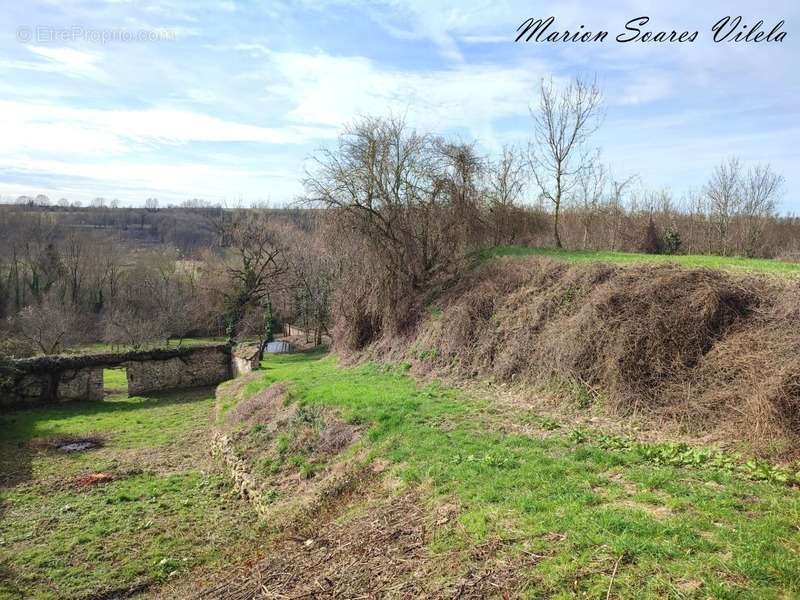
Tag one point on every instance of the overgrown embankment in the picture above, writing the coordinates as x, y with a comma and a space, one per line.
717, 352
282, 455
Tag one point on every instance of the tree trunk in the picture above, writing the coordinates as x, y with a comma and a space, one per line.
556, 236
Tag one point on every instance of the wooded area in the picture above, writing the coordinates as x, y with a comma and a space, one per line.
390, 215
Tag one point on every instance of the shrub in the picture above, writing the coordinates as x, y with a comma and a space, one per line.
672, 241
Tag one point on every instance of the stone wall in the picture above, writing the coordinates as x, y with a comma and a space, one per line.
204, 366
80, 377
81, 384
72, 384
244, 359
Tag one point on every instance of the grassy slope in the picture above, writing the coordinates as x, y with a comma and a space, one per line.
584, 507
733, 263
169, 510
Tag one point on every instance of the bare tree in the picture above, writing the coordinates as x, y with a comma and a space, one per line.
257, 260
617, 207
74, 262
724, 193
761, 189
49, 325
507, 178
592, 183
563, 122
409, 201
125, 325
312, 271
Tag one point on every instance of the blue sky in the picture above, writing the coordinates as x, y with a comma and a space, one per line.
232, 97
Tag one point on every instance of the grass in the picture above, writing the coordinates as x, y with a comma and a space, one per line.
588, 507
115, 381
597, 511
167, 516
732, 263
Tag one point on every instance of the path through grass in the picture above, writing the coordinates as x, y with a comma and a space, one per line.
588, 510
732, 263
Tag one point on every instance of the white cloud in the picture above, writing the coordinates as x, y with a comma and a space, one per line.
69, 62
44, 127
331, 90
64, 61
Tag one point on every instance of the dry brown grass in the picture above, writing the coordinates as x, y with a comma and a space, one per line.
283, 455
263, 408
717, 351
378, 551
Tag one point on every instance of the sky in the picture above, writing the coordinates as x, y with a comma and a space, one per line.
226, 101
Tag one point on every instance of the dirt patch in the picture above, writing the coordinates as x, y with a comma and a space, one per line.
381, 551
265, 408
68, 443
92, 479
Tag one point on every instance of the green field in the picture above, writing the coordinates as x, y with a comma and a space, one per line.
115, 381
168, 514
582, 501
732, 263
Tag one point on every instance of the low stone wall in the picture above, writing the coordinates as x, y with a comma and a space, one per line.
80, 377
81, 384
244, 359
73, 384
204, 366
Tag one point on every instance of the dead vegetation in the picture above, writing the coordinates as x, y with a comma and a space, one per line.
379, 550
714, 351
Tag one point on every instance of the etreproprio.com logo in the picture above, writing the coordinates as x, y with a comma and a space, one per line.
44, 34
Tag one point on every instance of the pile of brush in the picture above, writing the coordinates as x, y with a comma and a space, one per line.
715, 350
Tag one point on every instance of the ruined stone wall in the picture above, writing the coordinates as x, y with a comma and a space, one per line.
203, 366
71, 384
81, 384
80, 377
244, 359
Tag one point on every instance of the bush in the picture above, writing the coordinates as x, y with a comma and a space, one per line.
672, 241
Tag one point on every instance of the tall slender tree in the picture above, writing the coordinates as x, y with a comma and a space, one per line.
564, 120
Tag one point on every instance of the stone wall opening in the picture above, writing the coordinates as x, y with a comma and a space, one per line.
115, 381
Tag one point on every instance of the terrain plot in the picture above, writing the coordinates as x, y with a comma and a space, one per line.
457, 494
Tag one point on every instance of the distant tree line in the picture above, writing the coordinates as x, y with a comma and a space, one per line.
390, 217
